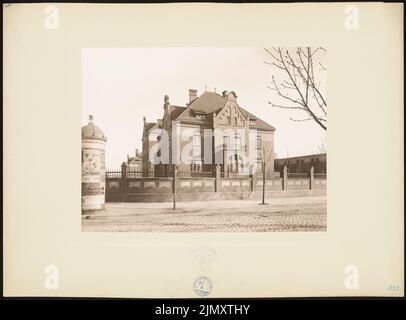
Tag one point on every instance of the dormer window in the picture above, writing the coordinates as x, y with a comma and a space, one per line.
200, 116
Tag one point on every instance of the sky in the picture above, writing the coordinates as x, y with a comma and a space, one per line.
122, 85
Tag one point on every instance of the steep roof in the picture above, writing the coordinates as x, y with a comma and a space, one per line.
176, 111
307, 156
208, 102
149, 125
259, 124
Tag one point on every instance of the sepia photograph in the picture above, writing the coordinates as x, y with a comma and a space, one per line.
174, 151
204, 139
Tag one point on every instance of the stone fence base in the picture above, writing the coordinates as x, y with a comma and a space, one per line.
193, 196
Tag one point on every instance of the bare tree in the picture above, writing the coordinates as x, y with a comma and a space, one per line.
297, 80
266, 159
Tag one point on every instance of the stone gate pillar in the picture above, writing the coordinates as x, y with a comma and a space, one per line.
311, 177
93, 168
123, 182
218, 178
285, 177
253, 174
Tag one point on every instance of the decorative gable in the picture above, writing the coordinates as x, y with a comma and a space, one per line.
230, 115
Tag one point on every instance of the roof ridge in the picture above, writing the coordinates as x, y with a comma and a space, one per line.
172, 105
198, 98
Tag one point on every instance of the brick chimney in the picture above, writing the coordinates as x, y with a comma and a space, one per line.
192, 95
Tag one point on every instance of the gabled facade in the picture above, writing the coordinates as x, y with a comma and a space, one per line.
232, 126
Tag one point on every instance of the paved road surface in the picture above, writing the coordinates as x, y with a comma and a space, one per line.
283, 214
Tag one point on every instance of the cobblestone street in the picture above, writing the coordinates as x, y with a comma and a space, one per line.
282, 214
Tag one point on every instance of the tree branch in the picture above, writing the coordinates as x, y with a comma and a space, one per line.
300, 72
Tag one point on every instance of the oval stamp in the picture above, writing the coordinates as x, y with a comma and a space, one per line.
202, 286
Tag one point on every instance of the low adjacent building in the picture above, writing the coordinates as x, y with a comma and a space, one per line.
133, 164
302, 164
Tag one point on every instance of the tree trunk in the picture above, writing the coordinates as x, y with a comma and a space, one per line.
263, 184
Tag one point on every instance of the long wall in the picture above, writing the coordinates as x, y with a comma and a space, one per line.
125, 189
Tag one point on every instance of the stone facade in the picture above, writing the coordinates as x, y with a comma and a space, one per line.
222, 115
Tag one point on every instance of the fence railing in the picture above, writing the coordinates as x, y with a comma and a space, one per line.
234, 175
140, 174
157, 174
208, 174
269, 175
113, 174
192, 174
132, 174
298, 175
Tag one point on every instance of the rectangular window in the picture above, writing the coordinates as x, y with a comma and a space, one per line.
226, 140
259, 143
196, 140
237, 143
196, 146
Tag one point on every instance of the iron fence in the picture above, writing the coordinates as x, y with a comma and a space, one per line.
113, 174
298, 175
192, 174
234, 175
208, 174
158, 174
140, 174
268, 175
